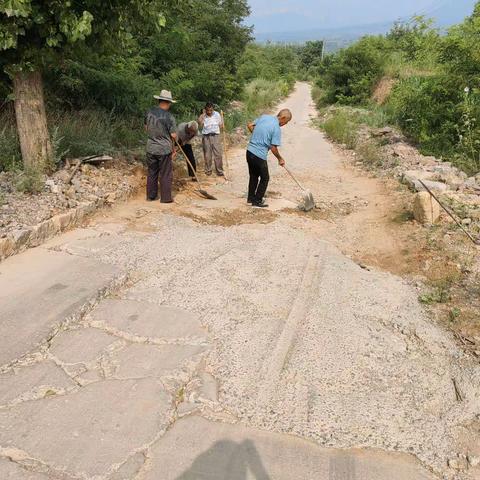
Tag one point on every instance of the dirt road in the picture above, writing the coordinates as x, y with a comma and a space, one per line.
210, 340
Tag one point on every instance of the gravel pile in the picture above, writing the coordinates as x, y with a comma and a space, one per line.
91, 184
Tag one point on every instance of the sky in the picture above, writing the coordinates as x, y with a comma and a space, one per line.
293, 15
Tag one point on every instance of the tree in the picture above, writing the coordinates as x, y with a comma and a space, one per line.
311, 54
34, 33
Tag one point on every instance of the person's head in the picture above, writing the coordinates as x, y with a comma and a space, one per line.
209, 108
284, 116
164, 105
192, 128
165, 99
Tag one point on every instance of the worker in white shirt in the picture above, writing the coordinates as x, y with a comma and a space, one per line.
211, 123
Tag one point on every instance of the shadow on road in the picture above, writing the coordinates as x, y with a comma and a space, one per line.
227, 459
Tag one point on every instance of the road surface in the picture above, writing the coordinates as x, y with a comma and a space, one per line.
210, 340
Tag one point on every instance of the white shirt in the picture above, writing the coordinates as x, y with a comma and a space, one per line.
212, 124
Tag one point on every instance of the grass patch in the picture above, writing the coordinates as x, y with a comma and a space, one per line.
29, 180
341, 129
370, 153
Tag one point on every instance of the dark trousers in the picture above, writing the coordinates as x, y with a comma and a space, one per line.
191, 156
160, 166
259, 178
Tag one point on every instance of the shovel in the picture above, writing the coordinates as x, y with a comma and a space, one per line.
225, 152
201, 191
308, 201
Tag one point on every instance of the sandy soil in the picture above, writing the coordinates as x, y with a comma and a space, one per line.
313, 332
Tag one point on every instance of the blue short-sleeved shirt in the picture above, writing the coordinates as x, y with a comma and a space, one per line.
267, 133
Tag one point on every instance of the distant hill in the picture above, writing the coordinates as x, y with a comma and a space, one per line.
445, 13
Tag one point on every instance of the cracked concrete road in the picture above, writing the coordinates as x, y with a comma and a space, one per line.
208, 340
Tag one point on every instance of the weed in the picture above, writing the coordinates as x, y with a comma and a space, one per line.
454, 314
441, 288
370, 153
403, 217
30, 180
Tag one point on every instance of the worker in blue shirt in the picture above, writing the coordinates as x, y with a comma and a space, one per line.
266, 136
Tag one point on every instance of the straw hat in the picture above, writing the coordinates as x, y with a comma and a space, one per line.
166, 96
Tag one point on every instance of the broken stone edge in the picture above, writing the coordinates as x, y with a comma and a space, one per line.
21, 240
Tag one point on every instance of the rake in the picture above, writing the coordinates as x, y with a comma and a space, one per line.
201, 191
308, 200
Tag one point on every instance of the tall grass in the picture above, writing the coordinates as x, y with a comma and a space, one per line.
75, 134
10, 157
341, 129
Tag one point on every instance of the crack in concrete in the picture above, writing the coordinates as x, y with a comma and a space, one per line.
114, 285
34, 465
139, 339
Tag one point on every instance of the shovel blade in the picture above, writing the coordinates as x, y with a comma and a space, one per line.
308, 202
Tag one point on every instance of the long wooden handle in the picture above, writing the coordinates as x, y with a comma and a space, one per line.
464, 230
188, 161
294, 179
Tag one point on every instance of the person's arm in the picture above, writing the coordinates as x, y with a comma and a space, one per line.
201, 119
276, 152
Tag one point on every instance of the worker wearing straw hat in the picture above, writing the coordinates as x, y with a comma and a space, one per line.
185, 134
161, 128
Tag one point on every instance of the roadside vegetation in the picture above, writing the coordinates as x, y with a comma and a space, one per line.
422, 80
98, 84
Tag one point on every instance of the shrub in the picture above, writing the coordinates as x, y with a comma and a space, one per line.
29, 180
370, 153
350, 76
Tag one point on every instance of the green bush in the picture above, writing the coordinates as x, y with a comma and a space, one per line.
350, 76
29, 180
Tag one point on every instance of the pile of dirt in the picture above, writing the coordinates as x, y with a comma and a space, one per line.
230, 218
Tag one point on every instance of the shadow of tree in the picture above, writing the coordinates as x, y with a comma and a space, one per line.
227, 460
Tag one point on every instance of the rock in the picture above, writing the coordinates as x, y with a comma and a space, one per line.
70, 192
470, 183
382, 132
437, 187
62, 176
425, 209
473, 460
410, 177
459, 464
52, 186
467, 221
110, 197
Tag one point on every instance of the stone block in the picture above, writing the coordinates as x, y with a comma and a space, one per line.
425, 208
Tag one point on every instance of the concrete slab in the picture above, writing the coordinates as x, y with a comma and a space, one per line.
196, 449
147, 320
139, 361
38, 290
89, 431
12, 471
83, 345
30, 381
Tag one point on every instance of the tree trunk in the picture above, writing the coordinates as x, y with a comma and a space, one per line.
32, 120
